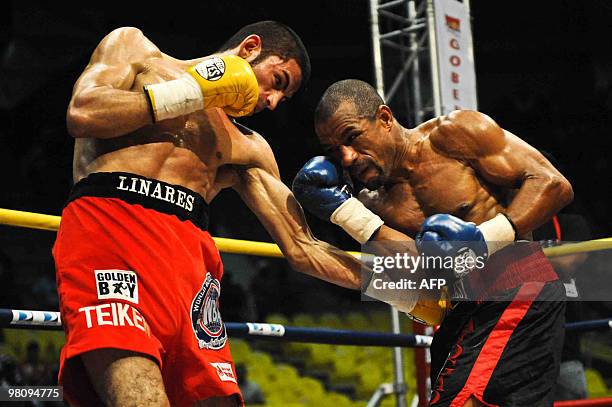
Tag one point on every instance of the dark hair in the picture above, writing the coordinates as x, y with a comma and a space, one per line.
276, 39
360, 94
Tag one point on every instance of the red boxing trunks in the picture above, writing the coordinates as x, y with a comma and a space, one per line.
137, 271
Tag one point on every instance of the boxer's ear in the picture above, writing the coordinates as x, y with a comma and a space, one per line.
384, 116
250, 47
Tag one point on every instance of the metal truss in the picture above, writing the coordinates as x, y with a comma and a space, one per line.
401, 30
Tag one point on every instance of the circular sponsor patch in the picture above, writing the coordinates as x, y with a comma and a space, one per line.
211, 69
206, 321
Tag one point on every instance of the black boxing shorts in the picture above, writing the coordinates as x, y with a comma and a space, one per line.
504, 352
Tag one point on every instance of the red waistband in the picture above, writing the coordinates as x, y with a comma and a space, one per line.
517, 264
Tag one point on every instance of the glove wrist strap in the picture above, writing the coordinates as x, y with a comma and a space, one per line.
356, 220
374, 289
497, 232
174, 98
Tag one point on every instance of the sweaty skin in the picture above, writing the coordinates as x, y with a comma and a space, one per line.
109, 117
462, 164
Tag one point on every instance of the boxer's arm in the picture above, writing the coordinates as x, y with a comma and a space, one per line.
386, 233
280, 213
102, 105
503, 159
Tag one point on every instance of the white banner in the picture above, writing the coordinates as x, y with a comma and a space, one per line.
455, 56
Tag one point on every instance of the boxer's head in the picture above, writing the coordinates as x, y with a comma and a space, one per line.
278, 57
354, 127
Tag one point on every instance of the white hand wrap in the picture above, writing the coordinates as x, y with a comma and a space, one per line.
356, 220
497, 232
175, 98
409, 298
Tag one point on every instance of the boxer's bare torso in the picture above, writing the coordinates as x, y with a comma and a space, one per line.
462, 164
198, 151
436, 182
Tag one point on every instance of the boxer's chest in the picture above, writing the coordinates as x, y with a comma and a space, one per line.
194, 149
196, 131
440, 186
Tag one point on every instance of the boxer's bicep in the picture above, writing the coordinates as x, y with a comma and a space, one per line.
102, 104
282, 216
513, 164
496, 155
542, 190
115, 61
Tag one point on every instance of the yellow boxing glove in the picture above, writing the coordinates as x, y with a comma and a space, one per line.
428, 307
227, 82
431, 307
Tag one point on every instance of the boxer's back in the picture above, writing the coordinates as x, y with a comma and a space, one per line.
188, 151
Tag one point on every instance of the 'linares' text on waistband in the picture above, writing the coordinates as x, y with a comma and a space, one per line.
162, 192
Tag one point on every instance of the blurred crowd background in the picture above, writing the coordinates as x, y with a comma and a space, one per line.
544, 72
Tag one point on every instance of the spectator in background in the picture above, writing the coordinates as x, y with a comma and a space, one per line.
8, 294
44, 292
569, 225
9, 374
250, 390
34, 372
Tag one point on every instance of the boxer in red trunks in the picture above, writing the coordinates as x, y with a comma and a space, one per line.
138, 275
455, 182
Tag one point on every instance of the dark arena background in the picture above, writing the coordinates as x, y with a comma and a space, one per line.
543, 70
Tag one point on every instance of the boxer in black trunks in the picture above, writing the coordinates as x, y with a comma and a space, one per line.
481, 183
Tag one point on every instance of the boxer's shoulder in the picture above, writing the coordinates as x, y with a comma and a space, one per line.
248, 148
467, 134
126, 43
263, 156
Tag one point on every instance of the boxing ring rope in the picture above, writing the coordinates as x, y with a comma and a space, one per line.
41, 221
604, 401
51, 320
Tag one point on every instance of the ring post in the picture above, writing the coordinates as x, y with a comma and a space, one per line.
399, 383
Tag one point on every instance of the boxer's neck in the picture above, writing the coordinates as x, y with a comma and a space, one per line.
404, 153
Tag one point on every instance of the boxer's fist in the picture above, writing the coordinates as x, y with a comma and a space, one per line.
323, 190
446, 235
227, 82
320, 187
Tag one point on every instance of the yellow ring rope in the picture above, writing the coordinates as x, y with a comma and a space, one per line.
50, 222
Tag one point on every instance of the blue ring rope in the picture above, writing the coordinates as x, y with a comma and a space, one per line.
51, 320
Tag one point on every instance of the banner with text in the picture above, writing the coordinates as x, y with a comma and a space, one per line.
455, 56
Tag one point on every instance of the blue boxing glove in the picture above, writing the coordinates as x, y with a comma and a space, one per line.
321, 187
448, 236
